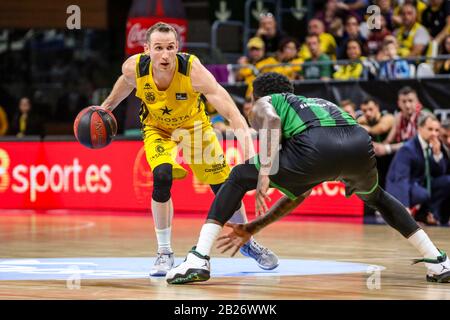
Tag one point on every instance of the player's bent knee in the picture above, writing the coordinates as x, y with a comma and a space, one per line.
162, 182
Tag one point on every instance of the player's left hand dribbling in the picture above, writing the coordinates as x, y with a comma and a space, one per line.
261, 195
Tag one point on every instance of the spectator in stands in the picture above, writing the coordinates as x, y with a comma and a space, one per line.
378, 124
328, 15
418, 173
412, 37
377, 35
354, 69
443, 66
327, 41
357, 8
287, 53
352, 32
420, 7
3, 122
436, 18
25, 122
393, 67
312, 71
405, 125
445, 136
387, 11
256, 58
269, 33
349, 106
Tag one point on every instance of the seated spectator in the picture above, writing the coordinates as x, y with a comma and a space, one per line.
315, 71
269, 33
3, 122
25, 122
377, 36
353, 69
418, 175
352, 32
328, 15
327, 41
405, 124
419, 5
393, 67
378, 124
436, 18
412, 37
445, 136
387, 11
256, 58
349, 107
287, 53
357, 8
443, 66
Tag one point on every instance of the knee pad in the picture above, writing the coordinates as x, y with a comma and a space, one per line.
162, 182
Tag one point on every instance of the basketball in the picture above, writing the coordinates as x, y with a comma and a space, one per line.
94, 127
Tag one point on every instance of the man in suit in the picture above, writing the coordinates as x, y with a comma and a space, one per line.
418, 175
445, 138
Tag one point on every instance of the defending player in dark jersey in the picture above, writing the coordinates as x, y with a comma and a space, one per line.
319, 142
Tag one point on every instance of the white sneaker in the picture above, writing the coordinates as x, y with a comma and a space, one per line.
195, 268
438, 270
164, 262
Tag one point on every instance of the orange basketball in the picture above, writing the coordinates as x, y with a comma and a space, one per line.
94, 127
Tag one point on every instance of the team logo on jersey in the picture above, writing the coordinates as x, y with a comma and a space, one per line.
181, 96
166, 110
160, 148
150, 96
147, 86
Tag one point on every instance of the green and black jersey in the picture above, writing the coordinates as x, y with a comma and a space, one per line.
298, 113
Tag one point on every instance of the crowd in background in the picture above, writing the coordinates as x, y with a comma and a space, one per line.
384, 46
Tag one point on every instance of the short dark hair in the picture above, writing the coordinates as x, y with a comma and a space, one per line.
368, 100
161, 27
285, 41
270, 83
312, 35
406, 90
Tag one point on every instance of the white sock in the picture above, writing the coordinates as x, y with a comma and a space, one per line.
422, 242
163, 237
208, 235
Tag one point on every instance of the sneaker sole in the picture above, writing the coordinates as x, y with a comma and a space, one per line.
191, 275
259, 265
158, 274
441, 278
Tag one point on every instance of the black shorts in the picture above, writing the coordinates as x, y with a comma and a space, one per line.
326, 154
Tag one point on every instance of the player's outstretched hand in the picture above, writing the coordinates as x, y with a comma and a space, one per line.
261, 195
234, 239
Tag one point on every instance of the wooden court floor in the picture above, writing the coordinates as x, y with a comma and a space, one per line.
57, 235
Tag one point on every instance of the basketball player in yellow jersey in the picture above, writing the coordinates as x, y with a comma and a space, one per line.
173, 88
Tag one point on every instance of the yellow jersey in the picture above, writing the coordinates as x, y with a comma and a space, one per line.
179, 106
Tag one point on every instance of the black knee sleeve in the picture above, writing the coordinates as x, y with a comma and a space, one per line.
242, 178
162, 182
392, 211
